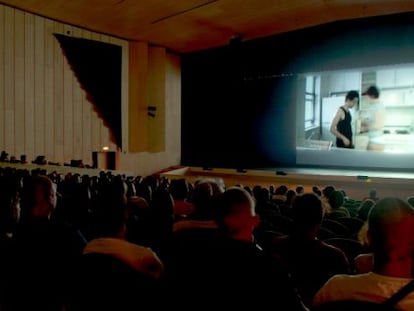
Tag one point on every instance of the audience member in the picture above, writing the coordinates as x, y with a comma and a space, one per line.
204, 193
42, 253
229, 270
311, 261
181, 193
336, 200
113, 273
364, 208
391, 237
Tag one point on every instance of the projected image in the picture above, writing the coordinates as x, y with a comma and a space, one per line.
380, 119
385, 120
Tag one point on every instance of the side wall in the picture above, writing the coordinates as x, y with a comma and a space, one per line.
43, 110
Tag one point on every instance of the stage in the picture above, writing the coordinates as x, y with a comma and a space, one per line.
356, 183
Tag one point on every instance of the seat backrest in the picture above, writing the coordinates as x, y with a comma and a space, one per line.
350, 247
354, 224
281, 223
324, 233
336, 227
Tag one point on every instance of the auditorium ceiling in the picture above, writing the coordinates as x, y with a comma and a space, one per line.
185, 26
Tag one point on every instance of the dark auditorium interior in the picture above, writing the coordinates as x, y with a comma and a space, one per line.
126, 124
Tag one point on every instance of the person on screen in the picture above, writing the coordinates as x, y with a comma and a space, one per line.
341, 123
373, 123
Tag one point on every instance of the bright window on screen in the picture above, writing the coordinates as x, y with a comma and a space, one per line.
312, 95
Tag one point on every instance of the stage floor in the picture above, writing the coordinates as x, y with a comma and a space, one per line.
356, 183
345, 172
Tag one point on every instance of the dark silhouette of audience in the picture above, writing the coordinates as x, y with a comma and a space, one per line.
228, 269
112, 273
391, 237
125, 242
41, 253
311, 261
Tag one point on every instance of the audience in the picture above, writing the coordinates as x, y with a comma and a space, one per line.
113, 273
117, 236
180, 192
229, 270
391, 239
42, 251
311, 261
204, 194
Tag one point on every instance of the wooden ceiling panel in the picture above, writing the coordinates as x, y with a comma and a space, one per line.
190, 25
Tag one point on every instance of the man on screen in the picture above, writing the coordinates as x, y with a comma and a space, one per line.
341, 124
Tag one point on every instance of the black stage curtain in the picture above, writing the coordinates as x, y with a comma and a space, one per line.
97, 66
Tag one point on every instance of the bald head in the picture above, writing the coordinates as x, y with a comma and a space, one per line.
235, 213
391, 228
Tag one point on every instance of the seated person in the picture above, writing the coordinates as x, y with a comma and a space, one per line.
390, 237
229, 270
112, 273
310, 261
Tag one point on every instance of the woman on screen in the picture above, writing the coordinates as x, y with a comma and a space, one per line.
373, 124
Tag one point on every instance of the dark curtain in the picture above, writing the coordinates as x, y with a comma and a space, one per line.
97, 66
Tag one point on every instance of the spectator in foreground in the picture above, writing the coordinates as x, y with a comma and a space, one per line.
229, 269
311, 261
391, 237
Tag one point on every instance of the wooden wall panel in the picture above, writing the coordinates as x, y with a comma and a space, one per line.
87, 116
124, 95
112, 145
29, 85
9, 81
39, 87
96, 124
2, 73
44, 110
58, 93
49, 119
68, 144
172, 103
138, 97
156, 96
80, 151
19, 85
104, 131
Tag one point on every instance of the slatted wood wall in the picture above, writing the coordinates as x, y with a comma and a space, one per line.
43, 110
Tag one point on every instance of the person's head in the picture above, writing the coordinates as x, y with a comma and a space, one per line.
372, 92
351, 98
300, 189
202, 199
282, 189
307, 213
364, 208
391, 231
110, 212
336, 199
235, 214
42, 196
328, 190
373, 194
179, 188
